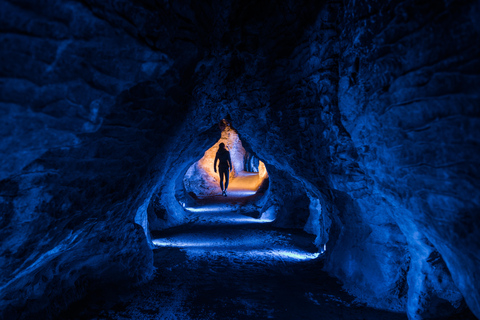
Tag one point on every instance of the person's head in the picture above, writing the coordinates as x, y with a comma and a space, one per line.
221, 146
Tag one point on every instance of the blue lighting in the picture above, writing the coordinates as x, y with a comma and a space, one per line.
219, 248
222, 214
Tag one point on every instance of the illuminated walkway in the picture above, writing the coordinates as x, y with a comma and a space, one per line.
230, 234
242, 196
225, 265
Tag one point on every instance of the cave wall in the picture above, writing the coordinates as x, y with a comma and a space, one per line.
319, 125
365, 114
293, 124
308, 142
85, 109
408, 96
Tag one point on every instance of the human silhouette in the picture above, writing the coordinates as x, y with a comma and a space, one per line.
224, 166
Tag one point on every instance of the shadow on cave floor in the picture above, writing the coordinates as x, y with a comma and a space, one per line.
230, 266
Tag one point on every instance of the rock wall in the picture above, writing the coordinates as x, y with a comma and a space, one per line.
320, 126
364, 113
304, 138
408, 97
85, 108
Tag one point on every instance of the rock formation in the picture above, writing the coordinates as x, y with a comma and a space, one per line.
365, 113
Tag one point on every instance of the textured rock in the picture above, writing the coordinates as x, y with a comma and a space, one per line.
408, 98
364, 113
85, 109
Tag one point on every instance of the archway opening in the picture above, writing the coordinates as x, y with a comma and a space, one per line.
248, 179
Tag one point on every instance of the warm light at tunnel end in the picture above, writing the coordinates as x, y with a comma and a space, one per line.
201, 179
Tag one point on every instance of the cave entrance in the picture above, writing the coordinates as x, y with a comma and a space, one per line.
248, 179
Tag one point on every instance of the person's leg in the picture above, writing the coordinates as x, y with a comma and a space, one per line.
224, 178
220, 172
227, 177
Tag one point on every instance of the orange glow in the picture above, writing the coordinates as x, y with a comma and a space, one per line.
203, 181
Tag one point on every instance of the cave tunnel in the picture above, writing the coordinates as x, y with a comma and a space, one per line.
353, 128
248, 175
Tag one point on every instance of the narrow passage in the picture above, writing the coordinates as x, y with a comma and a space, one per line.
225, 265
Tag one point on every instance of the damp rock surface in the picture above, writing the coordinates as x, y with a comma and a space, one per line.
365, 114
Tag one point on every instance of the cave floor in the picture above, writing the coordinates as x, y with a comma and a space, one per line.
230, 266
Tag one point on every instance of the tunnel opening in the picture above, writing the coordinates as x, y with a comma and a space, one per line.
240, 224
248, 180
364, 112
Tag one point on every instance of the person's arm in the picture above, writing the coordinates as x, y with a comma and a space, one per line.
229, 162
215, 163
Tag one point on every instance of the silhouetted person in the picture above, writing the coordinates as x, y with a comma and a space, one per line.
224, 166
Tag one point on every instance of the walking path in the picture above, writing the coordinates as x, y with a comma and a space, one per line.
225, 265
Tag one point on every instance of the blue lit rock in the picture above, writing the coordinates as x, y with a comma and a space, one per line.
408, 98
365, 114
80, 126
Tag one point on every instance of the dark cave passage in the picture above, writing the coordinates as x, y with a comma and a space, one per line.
226, 265
353, 129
